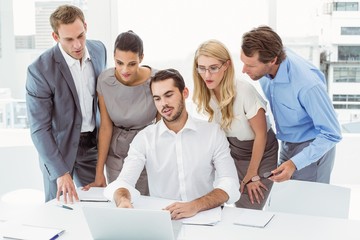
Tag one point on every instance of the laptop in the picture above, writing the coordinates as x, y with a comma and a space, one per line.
129, 223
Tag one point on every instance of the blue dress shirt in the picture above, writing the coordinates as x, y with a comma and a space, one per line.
302, 108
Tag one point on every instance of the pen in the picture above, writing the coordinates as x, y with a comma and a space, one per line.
66, 207
57, 235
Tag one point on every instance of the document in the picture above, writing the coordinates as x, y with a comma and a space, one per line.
147, 202
30, 232
254, 218
209, 217
94, 194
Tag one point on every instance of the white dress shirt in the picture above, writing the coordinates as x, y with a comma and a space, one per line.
84, 79
182, 166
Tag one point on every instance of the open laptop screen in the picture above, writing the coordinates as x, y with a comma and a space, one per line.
124, 223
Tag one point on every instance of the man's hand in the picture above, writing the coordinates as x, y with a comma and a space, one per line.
100, 181
284, 171
122, 198
211, 200
180, 210
124, 203
254, 190
66, 187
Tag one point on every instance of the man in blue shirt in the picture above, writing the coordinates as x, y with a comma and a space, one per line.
305, 119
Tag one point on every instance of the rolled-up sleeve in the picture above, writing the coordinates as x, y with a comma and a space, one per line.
226, 175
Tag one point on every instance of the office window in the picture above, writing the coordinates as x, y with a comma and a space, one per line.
353, 106
25, 42
339, 98
347, 106
350, 30
347, 74
349, 53
348, 101
346, 97
339, 106
354, 98
346, 6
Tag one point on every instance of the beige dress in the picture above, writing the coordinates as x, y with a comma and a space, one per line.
131, 108
241, 138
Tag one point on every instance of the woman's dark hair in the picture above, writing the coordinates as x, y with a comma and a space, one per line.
129, 41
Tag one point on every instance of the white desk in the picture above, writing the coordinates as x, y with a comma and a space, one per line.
282, 226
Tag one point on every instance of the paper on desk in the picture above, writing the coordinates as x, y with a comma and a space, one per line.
146, 202
208, 217
94, 194
29, 232
254, 218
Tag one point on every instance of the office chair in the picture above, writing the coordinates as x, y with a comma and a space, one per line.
309, 198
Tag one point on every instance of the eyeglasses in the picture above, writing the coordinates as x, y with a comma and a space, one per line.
212, 69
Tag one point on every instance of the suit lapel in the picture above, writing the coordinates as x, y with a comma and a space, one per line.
94, 59
97, 69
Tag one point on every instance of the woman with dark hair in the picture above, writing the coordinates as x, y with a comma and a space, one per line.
126, 107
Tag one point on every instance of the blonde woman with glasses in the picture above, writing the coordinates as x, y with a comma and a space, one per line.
240, 111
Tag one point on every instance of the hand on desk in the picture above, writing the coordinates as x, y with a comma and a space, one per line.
100, 181
180, 210
283, 172
66, 187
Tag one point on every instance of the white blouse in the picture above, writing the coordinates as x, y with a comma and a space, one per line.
246, 105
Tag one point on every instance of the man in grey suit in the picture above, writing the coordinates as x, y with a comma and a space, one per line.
62, 105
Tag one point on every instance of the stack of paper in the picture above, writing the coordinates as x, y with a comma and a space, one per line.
209, 217
29, 232
254, 218
94, 194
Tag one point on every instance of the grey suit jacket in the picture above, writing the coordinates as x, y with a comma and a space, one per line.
54, 110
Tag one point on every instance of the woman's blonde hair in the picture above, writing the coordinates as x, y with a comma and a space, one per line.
201, 97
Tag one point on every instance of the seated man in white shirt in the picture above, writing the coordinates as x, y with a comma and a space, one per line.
182, 156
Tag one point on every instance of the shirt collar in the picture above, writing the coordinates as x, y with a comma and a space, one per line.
190, 124
282, 73
70, 61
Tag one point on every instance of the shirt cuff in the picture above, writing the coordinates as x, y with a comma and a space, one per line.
300, 160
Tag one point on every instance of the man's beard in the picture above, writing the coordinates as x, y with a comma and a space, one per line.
177, 114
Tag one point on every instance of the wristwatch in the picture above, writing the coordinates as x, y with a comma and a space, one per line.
254, 179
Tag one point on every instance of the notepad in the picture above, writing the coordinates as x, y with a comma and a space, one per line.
209, 217
30, 232
253, 218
